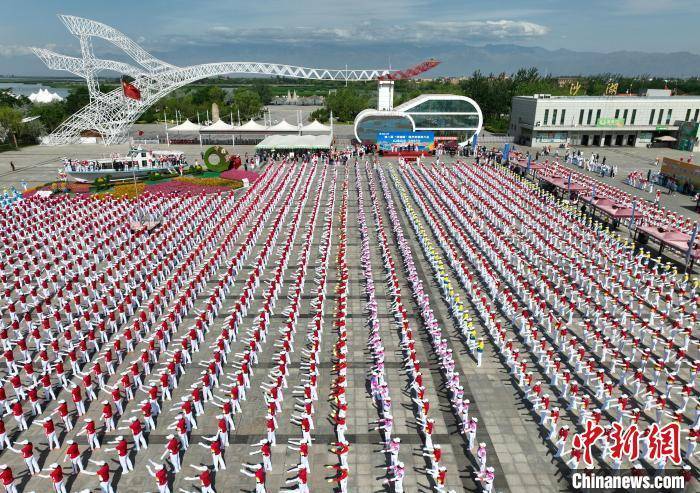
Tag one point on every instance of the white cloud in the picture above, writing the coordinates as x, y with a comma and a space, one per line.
18, 50
14, 50
374, 32
496, 30
646, 7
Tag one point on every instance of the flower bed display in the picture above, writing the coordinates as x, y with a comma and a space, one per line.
210, 182
129, 190
240, 174
184, 187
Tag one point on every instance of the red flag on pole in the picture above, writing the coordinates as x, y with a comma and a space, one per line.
131, 91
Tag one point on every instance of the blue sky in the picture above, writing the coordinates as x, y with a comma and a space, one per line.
368, 32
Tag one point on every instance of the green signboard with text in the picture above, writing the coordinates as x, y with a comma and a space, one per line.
610, 122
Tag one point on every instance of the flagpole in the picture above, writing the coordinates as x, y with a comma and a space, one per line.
634, 208
167, 137
691, 242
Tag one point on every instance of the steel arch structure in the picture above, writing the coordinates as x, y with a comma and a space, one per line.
112, 114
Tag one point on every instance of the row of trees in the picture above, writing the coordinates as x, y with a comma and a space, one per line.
345, 104
188, 101
194, 103
13, 110
493, 93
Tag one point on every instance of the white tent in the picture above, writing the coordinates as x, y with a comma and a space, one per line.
283, 126
186, 126
251, 126
218, 126
289, 142
315, 126
44, 96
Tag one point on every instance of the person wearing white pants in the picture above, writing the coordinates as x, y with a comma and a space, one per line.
161, 475
103, 473
7, 479
204, 478
123, 455
27, 453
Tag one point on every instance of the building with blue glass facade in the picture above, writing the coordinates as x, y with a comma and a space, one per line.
446, 115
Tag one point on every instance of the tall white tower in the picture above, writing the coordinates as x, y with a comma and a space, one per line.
385, 101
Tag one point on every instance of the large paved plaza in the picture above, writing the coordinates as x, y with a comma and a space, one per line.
39, 164
446, 233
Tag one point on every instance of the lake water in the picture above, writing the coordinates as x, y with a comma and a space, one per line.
24, 89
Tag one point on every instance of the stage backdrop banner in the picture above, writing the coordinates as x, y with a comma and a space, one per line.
405, 141
681, 171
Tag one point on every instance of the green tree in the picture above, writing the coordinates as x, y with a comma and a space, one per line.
246, 102
51, 114
346, 103
78, 97
30, 132
216, 95
263, 90
11, 119
321, 114
7, 98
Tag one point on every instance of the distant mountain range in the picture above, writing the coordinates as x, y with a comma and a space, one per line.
456, 59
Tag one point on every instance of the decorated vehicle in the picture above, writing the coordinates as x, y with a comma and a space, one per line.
137, 163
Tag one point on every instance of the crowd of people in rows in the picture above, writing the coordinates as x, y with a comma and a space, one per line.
100, 324
590, 330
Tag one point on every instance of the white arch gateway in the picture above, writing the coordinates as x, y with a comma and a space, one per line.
112, 114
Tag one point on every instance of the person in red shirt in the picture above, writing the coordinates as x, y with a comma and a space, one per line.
56, 477
8, 479
122, 449
161, 475
137, 431
266, 451
341, 477
258, 472
204, 478
27, 453
217, 454
172, 448
103, 474
107, 416
90, 431
4, 440
301, 480
50, 432
18, 413
73, 454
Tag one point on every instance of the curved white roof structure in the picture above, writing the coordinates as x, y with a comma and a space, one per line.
283, 126
186, 126
315, 126
44, 96
290, 142
251, 126
218, 126
443, 114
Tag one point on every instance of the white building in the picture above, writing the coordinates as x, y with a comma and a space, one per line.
445, 115
621, 120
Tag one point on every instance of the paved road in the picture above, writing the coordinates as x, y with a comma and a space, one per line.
520, 456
